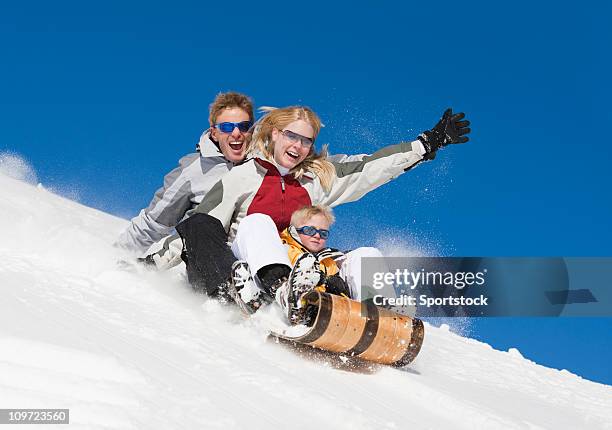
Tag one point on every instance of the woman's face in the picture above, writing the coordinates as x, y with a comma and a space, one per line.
293, 143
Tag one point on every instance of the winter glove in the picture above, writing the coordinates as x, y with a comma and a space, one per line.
449, 130
168, 256
336, 285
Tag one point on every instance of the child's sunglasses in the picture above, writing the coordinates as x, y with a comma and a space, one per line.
309, 230
228, 127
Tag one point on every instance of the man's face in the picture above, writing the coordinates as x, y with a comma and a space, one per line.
232, 145
314, 243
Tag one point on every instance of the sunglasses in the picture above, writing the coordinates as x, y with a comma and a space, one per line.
307, 142
228, 127
309, 230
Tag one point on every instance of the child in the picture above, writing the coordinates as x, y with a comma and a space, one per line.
330, 270
308, 233
315, 266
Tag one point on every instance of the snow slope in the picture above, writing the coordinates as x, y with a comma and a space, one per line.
138, 349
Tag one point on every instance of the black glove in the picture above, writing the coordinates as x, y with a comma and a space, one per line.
336, 285
450, 129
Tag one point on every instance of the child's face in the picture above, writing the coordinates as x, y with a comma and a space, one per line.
314, 243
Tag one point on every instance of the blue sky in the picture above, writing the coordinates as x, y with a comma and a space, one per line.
104, 98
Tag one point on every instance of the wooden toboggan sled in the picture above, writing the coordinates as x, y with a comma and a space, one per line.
359, 330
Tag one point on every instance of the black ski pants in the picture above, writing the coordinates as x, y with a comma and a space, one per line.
205, 252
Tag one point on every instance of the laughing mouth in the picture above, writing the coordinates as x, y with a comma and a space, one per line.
236, 146
293, 155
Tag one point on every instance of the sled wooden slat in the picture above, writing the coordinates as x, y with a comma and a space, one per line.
387, 346
345, 327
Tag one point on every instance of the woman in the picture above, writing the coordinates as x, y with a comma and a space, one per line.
255, 200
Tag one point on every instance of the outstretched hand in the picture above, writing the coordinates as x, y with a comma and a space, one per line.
449, 130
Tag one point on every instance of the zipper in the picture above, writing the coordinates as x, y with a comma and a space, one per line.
282, 181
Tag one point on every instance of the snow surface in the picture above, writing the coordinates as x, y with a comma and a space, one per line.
136, 349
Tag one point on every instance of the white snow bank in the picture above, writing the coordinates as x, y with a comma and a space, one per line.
139, 349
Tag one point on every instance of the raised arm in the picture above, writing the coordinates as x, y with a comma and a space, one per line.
354, 179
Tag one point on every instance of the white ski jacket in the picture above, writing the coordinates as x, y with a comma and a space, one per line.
256, 186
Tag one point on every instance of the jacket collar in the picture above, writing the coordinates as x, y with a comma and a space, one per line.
290, 235
273, 170
268, 166
207, 148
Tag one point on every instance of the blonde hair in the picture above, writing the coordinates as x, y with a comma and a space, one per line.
227, 101
307, 212
315, 163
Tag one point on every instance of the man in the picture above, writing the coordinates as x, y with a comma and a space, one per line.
220, 148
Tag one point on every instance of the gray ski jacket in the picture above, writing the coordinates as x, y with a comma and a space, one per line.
183, 189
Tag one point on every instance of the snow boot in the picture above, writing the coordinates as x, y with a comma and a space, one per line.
304, 277
244, 290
